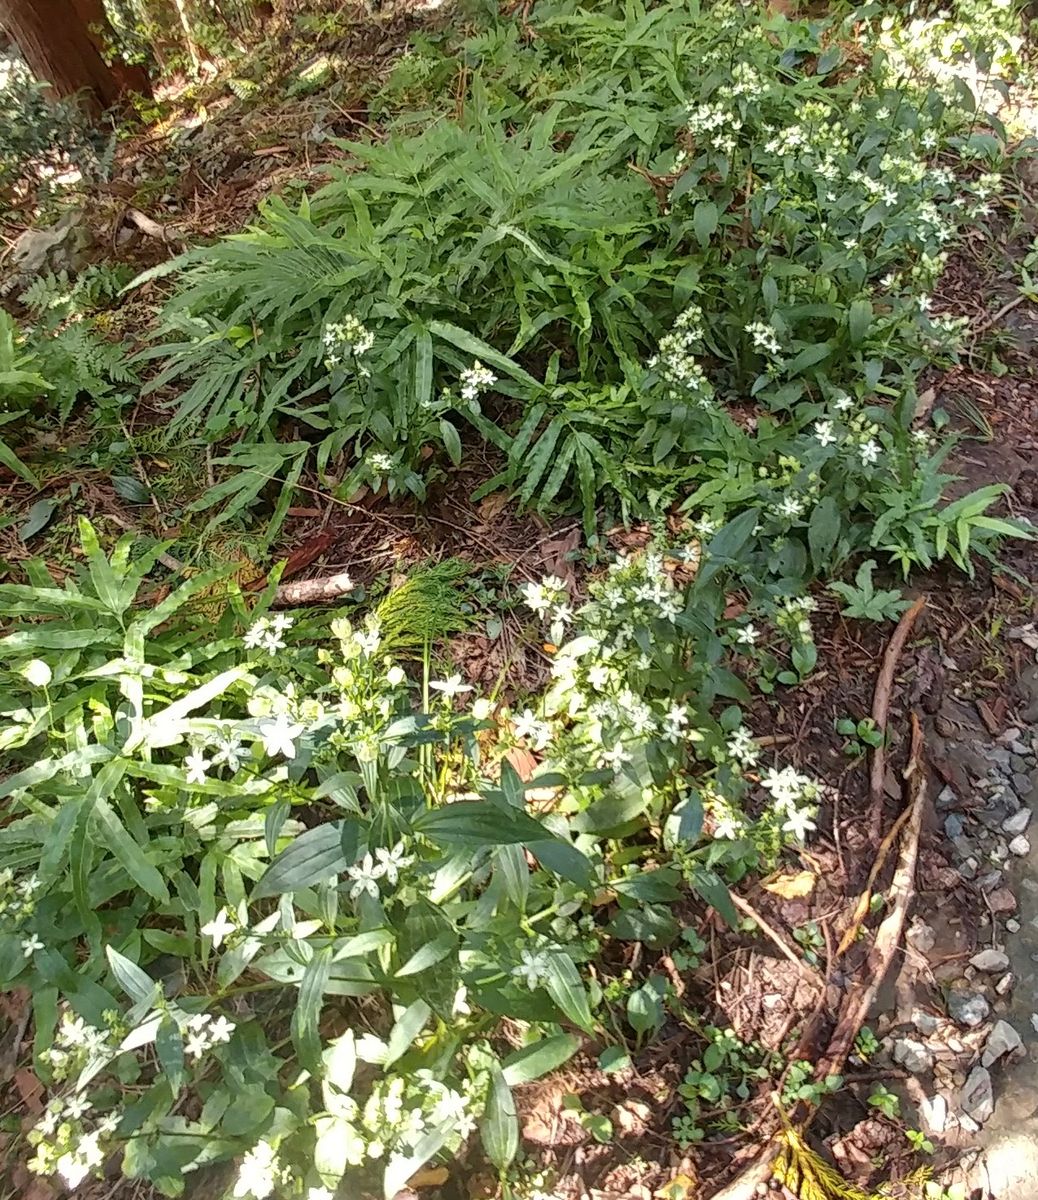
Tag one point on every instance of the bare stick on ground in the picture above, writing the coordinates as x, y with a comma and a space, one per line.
881, 707
313, 591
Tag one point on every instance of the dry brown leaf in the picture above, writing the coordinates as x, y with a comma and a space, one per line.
792, 887
429, 1177
522, 761
29, 1088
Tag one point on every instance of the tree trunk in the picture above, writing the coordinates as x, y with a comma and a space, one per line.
55, 39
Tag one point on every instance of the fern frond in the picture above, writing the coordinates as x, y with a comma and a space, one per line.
808, 1176
425, 608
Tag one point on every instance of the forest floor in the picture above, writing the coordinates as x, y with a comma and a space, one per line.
967, 671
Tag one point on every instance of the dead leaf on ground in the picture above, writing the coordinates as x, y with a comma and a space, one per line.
522, 761
792, 887
429, 1177
681, 1187
492, 506
29, 1088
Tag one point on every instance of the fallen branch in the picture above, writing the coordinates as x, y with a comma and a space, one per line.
152, 228
780, 942
313, 591
859, 999
1004, 311
881, 707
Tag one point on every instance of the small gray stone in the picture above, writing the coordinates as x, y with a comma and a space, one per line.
1011, 735
1017, 763
925, 1022
968, 869
1012, 925
963, 846
946, 799
967, 1008
1003, 1039
991, 961
953, 825
1019, 846
998, 754
913, 1056
1022, 784
977, 1100
1017, 823
921, 937
1004, 984
989, 881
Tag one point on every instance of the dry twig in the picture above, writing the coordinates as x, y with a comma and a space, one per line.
881, 707
770, 931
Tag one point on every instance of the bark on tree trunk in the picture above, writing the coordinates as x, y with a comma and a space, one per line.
55, 39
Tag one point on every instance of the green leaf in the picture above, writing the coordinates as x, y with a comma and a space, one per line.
306, 1036
704, 221
614, 1058
715, 892
499, 1129
38, 518
409, 1025
823, 530
115, 838
310, 858
540, 1058
169, 1047
137, 984
566, 988
859, 319
478, 823
451, 441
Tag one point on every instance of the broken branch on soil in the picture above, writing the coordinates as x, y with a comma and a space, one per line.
770, 931
881, 707
313, 591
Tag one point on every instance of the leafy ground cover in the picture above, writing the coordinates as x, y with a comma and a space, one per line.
306, 899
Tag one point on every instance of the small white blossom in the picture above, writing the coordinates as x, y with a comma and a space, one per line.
36, 672
259, 1172
824, 433
530, 727
533, 968
799, 823
31, 944
228, 751
765, 339
747, 635
218, 928
196, 765
869, 452
365, 876
279, 736
742, 748
450, 687
379, 463
476, 379
393, 861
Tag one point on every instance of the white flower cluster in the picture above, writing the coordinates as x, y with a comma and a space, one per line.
260, 1173
675, 358
794, 797
348, 338
387, 864
205, 1031
267, 633
550, 601
794, 617
379, 463
764, 337
475, 380
65, 1146
713, 126
17, 905
74, 1043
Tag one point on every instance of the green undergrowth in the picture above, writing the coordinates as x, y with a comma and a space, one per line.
691, 262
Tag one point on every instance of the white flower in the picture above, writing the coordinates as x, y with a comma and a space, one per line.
614, 759
218, 928
869, 452
764, 337
842, 402
824, 433
461, 1007
482, 708
450, 687
36, 672
345, 338
533, 968
392, 862
279, 736
196, 1044
228, 750
368, 642
379, 463
476, 379
747, 635
395, 676
72, 1169
533, 729
799, 823
31, 944
255, 634
791, 507
76, 1107
365, 876
674, 722
742, 747
259, 1172
221, 1030
196, 765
